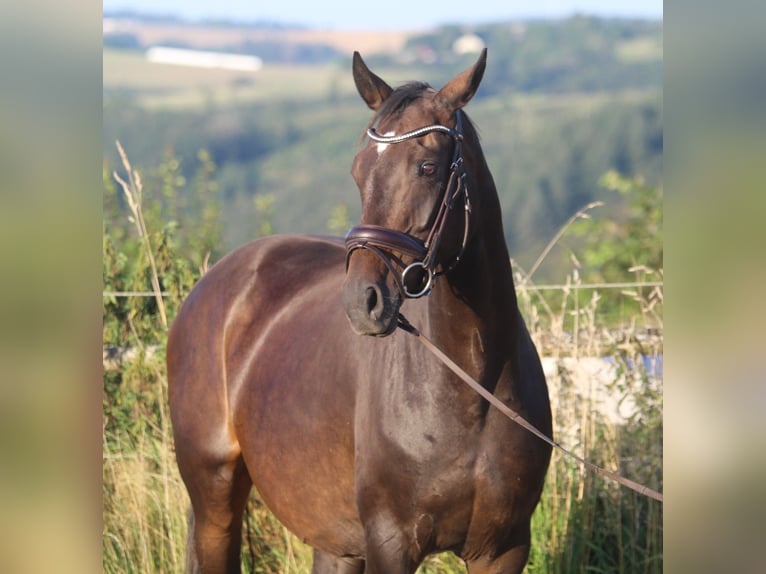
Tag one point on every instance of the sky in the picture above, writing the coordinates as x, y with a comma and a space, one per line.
385, 14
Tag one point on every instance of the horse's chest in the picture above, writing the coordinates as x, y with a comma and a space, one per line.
459, 498
420, 463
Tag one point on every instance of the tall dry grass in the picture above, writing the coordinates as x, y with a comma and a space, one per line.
586, 523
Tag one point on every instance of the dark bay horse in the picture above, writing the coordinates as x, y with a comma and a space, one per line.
287, 370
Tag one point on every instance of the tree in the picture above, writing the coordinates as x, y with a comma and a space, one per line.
625, 248
614, 248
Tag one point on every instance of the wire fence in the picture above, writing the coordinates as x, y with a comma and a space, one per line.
525, 287
618, 285
134, 293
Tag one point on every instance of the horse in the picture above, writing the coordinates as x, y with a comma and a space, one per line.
287, 371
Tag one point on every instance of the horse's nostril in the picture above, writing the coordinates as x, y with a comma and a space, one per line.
373, 302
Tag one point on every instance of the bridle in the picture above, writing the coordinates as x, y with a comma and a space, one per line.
385, 242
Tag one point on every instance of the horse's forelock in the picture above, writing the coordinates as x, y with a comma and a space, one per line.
399, 99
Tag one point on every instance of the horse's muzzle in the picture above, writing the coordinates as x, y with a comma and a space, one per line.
371, 306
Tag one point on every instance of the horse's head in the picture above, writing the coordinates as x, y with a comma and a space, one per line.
410, 175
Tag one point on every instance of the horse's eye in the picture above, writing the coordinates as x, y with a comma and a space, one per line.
427, 168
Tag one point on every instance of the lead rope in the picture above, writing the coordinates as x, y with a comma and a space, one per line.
404, 324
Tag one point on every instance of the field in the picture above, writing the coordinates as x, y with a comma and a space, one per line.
169, 86
211, 36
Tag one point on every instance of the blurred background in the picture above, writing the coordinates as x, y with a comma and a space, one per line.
571, 91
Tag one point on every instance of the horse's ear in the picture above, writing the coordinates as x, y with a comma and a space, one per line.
459, 90
373, 90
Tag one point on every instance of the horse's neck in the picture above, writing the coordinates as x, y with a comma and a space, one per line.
486, 279
474, 317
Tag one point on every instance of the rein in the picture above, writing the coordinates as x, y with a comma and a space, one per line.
405, 325
417, 278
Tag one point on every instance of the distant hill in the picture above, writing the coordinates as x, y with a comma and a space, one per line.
578, 54
270, 41
562, 102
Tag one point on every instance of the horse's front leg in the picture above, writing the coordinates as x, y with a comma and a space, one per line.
389, 547
326, 564
512, 561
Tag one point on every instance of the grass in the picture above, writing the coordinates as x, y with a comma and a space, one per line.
585, 522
